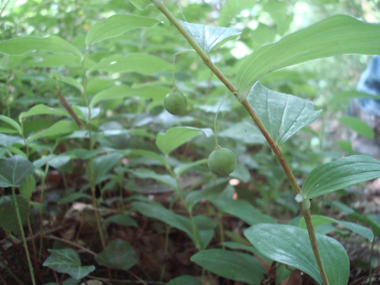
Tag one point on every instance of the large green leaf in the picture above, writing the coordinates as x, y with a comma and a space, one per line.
118, 92
41, 109
209, 37
155, 211
52, 44
135, 62
184, 280
62, 127
141, 4
358, 126
117, 25
68, 80
339, 34
147, 173
231, 8
231, 265
321, 220
175, 137
243, 210
339, 174
283, 115
67, 261
101, 165
245, 132
11, 122
14, 170
117, 255
8, 215
291, 245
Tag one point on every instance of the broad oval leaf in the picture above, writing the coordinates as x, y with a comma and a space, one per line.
141, 4
291, 245
282, 114
135, 62
117, 25
52, 44
356, 228
231, 265
122, 219
11, 122
147, 173
61, 127
14, 170
245, 132
175, 137
101, 165
243, 210
26, 188
184, 280
209, 37
358, 126
118, 92
8, 215
339, 34
41, 109
67, 261
117, 255
339, 174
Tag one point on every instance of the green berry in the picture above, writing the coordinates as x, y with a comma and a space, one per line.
222, 161
175, 103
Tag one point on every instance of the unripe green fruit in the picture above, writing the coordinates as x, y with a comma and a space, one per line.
175, 103
222, 161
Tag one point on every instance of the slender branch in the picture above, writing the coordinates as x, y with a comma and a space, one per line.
276, 150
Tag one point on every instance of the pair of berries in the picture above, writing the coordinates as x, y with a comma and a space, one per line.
221, 161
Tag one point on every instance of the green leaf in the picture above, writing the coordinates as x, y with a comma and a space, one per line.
147, 173
52, 44
62, 162
117, 255
339, 174
155, 93
184, 280
181, 168
249, 248
346, 210
244, 132
41, 109
67, 261
60, 128
175, 137
232, 8
11, 122
8, 215
156, 211
321, 220
283, 115
211, 192
122, 219
68, 80
26, 188
135, 62
117, 25
291, 245
243, 210
73, 197
208, 37
101, 165
56, 60
141, 4
242, 173
346, 96
14, 170
231, 265
162, 214
339, 34
358, 126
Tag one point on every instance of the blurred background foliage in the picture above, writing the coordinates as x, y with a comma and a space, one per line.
30, 79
